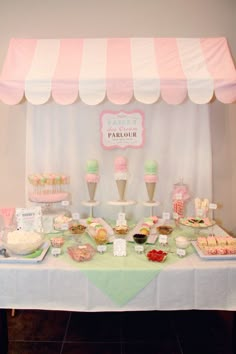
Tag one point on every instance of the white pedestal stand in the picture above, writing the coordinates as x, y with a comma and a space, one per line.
151, 205
122, 203
91, 205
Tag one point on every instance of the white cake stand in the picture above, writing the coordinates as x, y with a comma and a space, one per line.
122, 203
91, 205
151, 205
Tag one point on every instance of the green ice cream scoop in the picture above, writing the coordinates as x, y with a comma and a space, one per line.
150, 167
92, 166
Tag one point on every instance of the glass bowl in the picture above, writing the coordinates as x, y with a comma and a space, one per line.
76, 228
182, 242
156, 255
121, 230
22, 242
164, 229
81, 253
140, 239
57, 242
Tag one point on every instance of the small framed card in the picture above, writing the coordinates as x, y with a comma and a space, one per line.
29, 219
163, 239
119, 247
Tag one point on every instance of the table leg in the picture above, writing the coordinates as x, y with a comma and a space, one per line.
234, 333
3, 332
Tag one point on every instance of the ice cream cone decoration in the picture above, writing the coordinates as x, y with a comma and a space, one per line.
92, 178
150, 178
121, 175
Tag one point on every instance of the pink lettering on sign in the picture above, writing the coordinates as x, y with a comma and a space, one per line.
122, 129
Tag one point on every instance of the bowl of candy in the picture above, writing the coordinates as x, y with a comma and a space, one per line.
121, 230
156, 255
182, 242
140, 239
164, 229
57, 242
76, 228
81, 253
22, 242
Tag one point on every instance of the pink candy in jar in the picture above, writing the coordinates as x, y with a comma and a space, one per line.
180, 195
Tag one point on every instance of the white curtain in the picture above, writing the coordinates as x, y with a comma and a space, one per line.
63, 138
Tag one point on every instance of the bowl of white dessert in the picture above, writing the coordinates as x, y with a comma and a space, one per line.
22, 242
182, 242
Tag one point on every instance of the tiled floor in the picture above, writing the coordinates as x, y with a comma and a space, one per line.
181, 332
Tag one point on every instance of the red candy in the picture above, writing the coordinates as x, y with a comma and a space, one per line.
156, 256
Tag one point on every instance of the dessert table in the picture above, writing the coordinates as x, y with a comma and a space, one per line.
132, 283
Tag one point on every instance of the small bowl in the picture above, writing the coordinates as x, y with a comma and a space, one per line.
164, 229
140, 239
121, 230
157, 255
81, 253
57, 242
77, 229
182, 242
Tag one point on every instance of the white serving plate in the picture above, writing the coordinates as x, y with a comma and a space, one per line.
23, 259
151, 238
106, 226
213, 256
196, 225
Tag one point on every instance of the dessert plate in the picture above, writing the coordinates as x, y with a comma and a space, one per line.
34, 257
151, 238
213, 256
106, 226
197, 223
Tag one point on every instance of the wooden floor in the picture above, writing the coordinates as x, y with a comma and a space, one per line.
180, 332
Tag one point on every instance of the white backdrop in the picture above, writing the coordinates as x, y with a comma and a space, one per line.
61, 139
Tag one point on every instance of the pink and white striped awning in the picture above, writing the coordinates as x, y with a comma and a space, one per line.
118, 69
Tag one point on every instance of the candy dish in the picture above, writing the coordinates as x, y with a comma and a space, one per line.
77, 228
62, 222
157, 255
197, 222
164, 229
182, 242
57, 242
81, 253
121, 230
140, 239
22, 242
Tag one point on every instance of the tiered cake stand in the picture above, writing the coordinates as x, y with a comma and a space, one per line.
151, 206
122, 203
91, 205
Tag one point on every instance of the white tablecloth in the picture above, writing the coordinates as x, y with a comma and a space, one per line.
191, 283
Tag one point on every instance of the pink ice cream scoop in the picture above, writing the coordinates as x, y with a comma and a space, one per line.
121, 171
150, 178
92, 178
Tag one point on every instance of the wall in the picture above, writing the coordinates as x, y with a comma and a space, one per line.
123, 18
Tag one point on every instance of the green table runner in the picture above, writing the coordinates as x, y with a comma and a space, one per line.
121, 278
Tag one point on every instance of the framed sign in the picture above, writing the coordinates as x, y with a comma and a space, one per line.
122, 129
